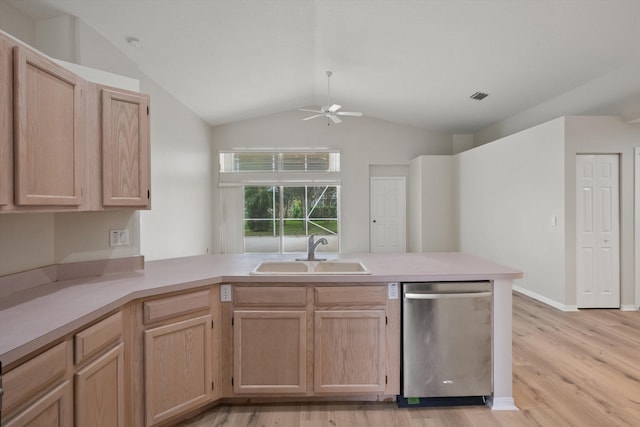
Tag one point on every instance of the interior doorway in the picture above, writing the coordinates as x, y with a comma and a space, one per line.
388, 211
598, 230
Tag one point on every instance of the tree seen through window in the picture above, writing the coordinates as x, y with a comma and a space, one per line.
288, 213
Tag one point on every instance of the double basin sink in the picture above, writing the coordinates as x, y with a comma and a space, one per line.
311, 267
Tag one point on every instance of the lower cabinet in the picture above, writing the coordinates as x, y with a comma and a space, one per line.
270, 349
269, 340
349, 351
177, 368
54, 409
99, 378
60, 385
39, 391
157, 359
99, 391
309, 339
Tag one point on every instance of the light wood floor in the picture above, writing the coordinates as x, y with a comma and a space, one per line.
569, 369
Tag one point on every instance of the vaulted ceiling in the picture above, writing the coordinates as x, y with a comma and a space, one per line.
412, 62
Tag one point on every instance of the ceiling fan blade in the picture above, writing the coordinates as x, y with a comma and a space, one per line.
334, 108
335, 118
311, 111
314, 116
349, 113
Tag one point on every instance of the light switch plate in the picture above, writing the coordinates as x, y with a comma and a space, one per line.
393, 290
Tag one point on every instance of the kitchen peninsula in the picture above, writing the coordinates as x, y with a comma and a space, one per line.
172, 321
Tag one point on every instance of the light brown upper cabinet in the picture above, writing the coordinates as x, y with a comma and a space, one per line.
125, 149
48, 151
6, 129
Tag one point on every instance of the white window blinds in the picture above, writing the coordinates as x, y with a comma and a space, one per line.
286, 167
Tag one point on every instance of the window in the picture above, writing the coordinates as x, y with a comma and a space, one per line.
281, 218
272, 201
268, 161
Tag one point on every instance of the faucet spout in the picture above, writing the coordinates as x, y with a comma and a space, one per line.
311, 248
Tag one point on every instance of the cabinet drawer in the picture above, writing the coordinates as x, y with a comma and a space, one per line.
97, 337
270, 296
350, 296
54, 408
166, 308
33, 376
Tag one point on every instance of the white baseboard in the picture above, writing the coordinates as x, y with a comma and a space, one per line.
545, 300
502, 404
557, 305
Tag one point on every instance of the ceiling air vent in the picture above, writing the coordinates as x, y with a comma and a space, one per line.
479, 96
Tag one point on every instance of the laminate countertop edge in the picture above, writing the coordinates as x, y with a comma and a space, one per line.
40, 316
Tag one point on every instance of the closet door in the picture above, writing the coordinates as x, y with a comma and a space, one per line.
598, 230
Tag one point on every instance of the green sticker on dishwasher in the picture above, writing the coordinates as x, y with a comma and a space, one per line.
413, 400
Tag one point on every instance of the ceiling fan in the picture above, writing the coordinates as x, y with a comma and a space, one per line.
330, 111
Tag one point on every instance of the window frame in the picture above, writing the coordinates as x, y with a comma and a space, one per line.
279, 217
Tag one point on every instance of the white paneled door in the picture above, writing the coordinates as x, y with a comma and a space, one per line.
598, 231
388, 214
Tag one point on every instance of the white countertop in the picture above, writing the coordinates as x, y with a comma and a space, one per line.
34, 318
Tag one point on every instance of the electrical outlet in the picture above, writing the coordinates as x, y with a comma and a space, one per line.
119, 237
225, 293
393, 290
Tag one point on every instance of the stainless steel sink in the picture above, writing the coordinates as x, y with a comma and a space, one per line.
311, 267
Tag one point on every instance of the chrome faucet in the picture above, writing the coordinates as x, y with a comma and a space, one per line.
311, 248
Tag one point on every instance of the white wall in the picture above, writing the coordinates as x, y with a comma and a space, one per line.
26, 241
56, 36
510, 190
433, 210
179, 223
363, 142
619, 89
84, 236
605, 135
16, 23
93, 50
462, 142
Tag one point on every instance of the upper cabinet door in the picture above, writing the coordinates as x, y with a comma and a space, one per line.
48, 152
6, 129
125, 149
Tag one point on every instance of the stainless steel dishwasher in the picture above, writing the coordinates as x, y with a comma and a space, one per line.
446, 339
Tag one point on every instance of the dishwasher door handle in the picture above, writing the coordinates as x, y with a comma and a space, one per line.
447, 296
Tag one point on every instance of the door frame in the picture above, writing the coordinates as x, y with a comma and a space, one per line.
402, 203
619, 223
636, 164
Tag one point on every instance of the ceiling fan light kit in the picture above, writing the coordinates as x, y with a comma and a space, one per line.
330, 111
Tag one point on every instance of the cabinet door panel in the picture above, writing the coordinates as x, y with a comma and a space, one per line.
125, 149
269, 351
34, 376
52, 410
100, 391
6, 126
349, 349
48, 156
178, 373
